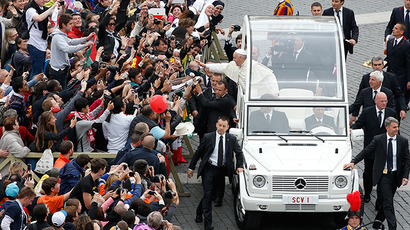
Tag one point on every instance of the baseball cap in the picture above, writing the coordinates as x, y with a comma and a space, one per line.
12, 190
58, 218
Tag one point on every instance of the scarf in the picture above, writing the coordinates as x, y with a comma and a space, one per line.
69, 117
90, 132
42, 26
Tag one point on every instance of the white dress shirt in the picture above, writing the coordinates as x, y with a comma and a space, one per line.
377, 114
340, 15
213, 159
394, 144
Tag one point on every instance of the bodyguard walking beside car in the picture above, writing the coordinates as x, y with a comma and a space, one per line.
216, 152
390, 168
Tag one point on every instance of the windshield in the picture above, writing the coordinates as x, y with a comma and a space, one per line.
285, 121
295, 58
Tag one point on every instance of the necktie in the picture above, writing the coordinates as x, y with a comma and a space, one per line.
380, 118
268, 118
395, 43
319, 121
295, 54
220, 151
209, 83
390, 155
375, 93
338, 16
407, 21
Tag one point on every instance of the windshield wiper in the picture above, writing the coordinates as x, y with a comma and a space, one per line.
305, 131
271, 132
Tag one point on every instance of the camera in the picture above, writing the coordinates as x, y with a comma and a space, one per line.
103, 65
112, 68
121, 190
178, 44
169, 194
30, 176
107, 97
157, 21
131, 174
283, 45
196, 40
157, 178
152, 193
153, 57
236, 28
125, 166
62, 3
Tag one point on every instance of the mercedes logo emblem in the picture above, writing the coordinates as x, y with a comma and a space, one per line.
300, 183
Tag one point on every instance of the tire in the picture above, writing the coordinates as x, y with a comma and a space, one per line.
247, 221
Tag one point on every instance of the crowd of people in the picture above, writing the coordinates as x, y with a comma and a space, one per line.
88, 76
91, 76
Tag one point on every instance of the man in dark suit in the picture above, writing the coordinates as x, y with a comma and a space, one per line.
319, 118
297, 67
398, 59
268, 119
390, 82
221, 105
390, 168
367, 95
347, 22
229, 49
373, 124
216, 152
399, 14
199, 112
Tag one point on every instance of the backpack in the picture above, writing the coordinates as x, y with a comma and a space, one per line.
22, 27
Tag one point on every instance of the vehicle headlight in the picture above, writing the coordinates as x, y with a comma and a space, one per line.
259, 181
341, 181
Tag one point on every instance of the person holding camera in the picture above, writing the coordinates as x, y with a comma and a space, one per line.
61, 46
85, 120
169, 202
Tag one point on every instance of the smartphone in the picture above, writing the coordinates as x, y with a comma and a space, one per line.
29, 167
151, 193
30, 176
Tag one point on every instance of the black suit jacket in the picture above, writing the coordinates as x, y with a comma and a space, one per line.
390, 82
397, 15
398, 60
218, 107
350, 29
379, 147
311, 122
279, 122
207, 146
365, 99
195, 104
369, 122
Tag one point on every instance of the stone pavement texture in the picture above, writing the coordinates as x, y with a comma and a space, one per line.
370, 44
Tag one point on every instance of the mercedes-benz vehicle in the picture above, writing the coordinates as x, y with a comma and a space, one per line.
293, 120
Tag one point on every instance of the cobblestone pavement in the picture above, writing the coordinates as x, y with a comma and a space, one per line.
370, 43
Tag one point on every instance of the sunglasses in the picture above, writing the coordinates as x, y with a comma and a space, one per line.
111, 24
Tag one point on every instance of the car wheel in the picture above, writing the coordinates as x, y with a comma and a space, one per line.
245, 220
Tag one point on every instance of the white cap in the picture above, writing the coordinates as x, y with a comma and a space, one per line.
58, 218
241, 52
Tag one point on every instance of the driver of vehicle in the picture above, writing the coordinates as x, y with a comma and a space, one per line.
319, 118
268, 119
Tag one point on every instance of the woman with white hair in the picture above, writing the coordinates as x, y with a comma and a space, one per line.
204, 23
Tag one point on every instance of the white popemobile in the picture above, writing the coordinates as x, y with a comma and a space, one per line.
295, 141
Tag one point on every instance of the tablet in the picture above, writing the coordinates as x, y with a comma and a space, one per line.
178, 2
157, 12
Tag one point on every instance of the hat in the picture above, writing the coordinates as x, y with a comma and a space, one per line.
241, 52
355, 203
58, 218
184, 128
12, 190
218, 3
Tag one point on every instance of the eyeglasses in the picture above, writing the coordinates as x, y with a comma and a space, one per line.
14, 35
111, 24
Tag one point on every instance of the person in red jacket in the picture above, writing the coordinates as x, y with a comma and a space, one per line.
76, 31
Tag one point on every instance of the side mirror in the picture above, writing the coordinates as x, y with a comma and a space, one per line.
236, 132
357, 135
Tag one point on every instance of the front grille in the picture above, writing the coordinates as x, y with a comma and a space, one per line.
300, 207
287, 184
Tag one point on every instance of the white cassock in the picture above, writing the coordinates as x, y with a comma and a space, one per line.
263, 79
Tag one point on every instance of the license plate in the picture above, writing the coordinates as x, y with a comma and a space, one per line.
286, 199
